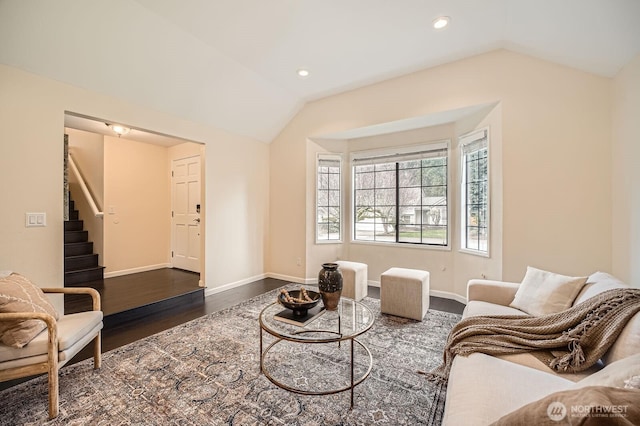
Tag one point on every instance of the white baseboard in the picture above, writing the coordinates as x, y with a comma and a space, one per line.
309, 281
448, 295
136, 270
297, 280
213, 290
436, 293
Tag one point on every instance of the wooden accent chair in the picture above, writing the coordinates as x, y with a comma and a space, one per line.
55, 346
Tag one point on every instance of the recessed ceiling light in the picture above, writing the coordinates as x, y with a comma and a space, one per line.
440, 22
303, 72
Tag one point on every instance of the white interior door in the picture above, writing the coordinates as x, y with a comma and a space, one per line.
185, 214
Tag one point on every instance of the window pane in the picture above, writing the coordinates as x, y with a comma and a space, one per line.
364, 197
328, 220
438, 192
363, 169
386, 179
334, 181
334, 198
322, 231
475, 200
412, 164
323, 180
410, 177
410, 234
434, 176
385, 197
364, 180
420, 189
322, 214
435, 235
410, 196
385, 166
323, 198
364, 230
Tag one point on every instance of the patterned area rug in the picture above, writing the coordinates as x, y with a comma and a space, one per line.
207, 372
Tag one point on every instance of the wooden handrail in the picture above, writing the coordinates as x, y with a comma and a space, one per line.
85, 189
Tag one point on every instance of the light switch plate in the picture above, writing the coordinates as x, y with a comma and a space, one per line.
35, 219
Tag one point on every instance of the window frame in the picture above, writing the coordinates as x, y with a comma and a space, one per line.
329, 157
464, 141
395, 155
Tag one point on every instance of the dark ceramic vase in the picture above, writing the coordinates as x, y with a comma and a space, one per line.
330, 285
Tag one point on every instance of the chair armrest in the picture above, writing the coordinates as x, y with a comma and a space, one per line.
95, 296
50, 321
499, 292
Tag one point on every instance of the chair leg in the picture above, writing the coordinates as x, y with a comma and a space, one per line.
97, 351
53, 390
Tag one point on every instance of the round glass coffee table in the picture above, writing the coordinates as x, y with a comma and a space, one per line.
331, 328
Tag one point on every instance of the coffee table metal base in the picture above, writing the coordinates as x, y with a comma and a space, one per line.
351, 386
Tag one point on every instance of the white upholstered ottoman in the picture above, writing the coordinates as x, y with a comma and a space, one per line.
404, 293
354, 279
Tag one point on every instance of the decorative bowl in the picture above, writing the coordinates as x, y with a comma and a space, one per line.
299, 309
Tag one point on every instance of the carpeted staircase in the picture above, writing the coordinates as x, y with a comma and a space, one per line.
80, 262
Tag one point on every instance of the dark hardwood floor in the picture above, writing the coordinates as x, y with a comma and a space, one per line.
118, 297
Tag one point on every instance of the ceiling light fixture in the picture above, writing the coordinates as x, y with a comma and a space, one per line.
118, 129
303, 72
440, 22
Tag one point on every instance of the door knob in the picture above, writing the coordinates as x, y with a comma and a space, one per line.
197, 219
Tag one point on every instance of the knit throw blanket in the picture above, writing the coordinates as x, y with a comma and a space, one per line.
570, 341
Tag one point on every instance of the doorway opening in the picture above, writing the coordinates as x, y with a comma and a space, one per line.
149, 190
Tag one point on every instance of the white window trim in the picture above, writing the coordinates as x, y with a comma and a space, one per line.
402, 150
327, 156
464, 140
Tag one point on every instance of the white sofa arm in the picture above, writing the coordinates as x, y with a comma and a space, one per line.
498, 292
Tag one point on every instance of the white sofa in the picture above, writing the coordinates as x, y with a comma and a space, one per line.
483, 388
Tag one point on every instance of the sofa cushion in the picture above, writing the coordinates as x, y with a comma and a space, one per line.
596, 284
543, 292
479, 308
613, 374
71, 328
483, 388
18, 294
627, 343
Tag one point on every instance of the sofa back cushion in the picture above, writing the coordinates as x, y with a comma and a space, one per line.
628, 342
596, 284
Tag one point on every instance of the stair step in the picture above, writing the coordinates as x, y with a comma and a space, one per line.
73, 225
73, 214
77, 249
83, 261
83, 275
76, 236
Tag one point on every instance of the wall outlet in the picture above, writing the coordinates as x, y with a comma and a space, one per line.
299, 262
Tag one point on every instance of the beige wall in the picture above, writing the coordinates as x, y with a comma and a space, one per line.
87, 150
555, 130
626, 173
31, 158
137, 217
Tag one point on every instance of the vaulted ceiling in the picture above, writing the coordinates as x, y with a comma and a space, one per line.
232, 63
